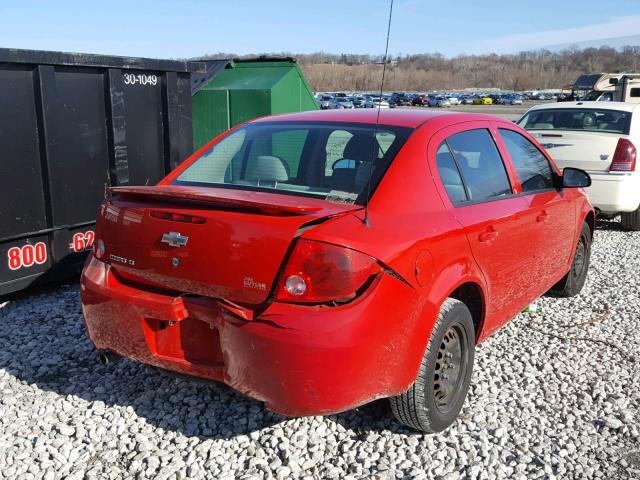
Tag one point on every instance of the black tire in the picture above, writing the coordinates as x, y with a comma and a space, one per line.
572, 283
432, 404
631, 220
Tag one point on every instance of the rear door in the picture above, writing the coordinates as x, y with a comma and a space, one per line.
477, 186
552, 214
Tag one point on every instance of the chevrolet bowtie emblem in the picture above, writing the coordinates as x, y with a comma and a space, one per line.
174, 239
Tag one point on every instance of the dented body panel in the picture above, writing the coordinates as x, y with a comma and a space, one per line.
200, 317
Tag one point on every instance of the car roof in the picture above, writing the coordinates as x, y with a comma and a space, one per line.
624, 106
397, 117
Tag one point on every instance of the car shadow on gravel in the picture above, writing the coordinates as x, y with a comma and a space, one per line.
43, 343
613, 225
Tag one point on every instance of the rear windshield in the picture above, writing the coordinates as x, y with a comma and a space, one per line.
578, 119
332, 161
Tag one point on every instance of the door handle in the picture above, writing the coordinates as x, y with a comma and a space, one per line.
488, 236
543, 217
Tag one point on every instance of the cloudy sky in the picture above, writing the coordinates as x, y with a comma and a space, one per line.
188, 28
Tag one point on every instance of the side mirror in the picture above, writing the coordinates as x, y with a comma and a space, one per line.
575, 178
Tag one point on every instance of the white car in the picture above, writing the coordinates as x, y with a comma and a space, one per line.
376, 102
453, 100
439, 101
601, 138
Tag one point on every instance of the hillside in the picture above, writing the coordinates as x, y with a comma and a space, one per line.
521, 71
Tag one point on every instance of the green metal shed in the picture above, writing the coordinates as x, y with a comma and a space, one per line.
234, 91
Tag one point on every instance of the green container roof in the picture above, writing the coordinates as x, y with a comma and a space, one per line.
250, 76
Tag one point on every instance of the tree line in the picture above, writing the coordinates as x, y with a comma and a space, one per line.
539, 69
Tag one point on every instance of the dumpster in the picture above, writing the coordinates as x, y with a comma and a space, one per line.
231, 92
71, 125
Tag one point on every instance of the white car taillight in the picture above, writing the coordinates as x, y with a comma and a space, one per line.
624, 158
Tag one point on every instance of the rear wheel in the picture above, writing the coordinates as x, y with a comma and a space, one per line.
573, 281
435, 398
631, 220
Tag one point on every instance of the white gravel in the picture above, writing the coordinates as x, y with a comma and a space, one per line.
539, 406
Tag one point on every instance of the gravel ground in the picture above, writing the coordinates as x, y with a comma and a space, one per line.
540, 406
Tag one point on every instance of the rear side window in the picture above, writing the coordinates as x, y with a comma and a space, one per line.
450, 175
480, 164
578, 119
534, 170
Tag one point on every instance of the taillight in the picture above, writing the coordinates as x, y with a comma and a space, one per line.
319, 272
624, 158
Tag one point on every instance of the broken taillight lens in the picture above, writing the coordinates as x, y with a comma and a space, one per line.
318, 272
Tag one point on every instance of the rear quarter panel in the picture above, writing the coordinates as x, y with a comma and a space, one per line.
412, 233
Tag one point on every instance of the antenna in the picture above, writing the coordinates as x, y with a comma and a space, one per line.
374, 153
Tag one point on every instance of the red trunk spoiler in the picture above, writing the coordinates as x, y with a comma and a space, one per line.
268, 203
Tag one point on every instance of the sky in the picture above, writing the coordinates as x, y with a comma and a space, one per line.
191, 28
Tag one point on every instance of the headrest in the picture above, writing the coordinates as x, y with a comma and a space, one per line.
363, 148
268, 168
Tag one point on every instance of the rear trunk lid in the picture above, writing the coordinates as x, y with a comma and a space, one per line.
215, 242
591, 151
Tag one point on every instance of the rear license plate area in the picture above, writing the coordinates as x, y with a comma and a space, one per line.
188, 340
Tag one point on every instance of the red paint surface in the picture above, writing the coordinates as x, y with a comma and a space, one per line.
205, 317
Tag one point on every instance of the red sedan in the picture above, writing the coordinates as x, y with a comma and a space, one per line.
321, 260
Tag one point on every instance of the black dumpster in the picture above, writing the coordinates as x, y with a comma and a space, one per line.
70, 125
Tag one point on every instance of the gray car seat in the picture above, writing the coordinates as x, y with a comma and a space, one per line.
450, 178
361, 149
268, 168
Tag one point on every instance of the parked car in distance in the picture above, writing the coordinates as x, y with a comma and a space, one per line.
338, 103
439, 101
499, 99
482, 101
601, 138
467, 99
324, 101
453, 100
399, 99
375, 101
511, 100
358, 101
372, 251
420, 101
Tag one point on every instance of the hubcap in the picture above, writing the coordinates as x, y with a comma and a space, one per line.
450, 368
580, 258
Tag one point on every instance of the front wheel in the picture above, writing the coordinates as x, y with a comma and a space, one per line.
631, 220
572, 283
435, 398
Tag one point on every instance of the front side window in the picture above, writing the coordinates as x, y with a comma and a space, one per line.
480, 164
534, 170
334, 161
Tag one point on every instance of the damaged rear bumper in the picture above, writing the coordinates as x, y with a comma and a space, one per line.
299, 360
